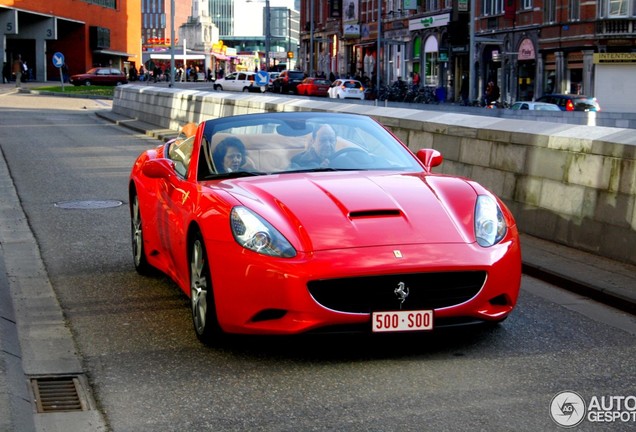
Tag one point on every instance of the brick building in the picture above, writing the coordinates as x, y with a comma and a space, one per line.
528, 47
87, 32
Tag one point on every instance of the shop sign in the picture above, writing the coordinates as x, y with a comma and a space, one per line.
429, 22
526, 50
351, 31
614, 58
410, 4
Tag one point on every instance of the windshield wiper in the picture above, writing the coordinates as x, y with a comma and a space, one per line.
325, 169
236, 174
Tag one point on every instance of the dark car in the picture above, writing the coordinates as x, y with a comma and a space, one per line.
571, 102
288, 81
100, 76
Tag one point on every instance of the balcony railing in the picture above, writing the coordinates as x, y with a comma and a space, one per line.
616, 27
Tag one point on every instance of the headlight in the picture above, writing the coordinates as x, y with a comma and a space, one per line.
490, 226
254, 233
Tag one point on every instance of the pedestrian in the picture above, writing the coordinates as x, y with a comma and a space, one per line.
65, 73
416, 79
6, 73
17, 70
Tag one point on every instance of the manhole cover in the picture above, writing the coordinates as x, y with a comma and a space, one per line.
88, 204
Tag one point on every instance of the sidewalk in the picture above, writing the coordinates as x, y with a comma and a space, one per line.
604, 280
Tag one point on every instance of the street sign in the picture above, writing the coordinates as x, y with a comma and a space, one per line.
58, 59
58, 62
262, 78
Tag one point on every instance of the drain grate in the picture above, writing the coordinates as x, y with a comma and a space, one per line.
57, 394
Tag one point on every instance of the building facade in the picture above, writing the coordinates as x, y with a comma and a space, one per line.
527, 47
86, 32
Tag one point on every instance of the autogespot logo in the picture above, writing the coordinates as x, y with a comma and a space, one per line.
567, 409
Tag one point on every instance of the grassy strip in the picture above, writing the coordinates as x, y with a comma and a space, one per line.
102, 91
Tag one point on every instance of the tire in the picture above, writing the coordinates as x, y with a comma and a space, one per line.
204, 317
87, 83
137, 239
246, 89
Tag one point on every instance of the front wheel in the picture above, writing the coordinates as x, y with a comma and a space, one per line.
87, 83
201, 296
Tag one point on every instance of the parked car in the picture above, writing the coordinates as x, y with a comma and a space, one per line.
287, 81
534, 106
272, 77
571, 102
99, 76
239, 81
314, 87
346, 89
369, 240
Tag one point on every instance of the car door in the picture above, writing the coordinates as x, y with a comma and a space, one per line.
229, 81
101, 76
239, 82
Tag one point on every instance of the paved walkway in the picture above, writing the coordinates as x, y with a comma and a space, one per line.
607, 281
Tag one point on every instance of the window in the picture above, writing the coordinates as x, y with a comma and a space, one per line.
492, 7
614, 8
527, 4
106, 3
549, 11
574, 10
432, 5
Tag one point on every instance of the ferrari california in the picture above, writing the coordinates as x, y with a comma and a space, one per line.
297, 222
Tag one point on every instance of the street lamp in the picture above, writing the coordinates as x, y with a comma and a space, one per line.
267, 31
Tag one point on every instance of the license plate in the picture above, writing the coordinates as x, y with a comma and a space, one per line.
402, 321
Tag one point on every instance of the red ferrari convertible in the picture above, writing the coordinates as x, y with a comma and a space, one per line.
294, 222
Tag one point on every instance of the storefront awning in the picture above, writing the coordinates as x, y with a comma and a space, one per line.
220, 56
114, 53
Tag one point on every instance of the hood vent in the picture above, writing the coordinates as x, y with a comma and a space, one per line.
374, 213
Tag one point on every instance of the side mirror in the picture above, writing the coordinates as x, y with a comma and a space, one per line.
158, 168
430, 157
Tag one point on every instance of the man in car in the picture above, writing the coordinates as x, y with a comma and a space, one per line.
321, 147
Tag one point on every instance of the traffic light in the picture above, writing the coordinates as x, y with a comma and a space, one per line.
290, 54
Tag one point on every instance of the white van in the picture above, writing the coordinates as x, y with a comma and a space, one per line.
239, 81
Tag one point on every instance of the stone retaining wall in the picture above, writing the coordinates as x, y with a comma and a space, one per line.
574, 185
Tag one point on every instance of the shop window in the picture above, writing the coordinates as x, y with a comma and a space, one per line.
576, 81
417, 48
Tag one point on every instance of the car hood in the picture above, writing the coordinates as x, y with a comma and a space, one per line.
342, 210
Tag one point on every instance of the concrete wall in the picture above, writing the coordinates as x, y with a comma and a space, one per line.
574, 185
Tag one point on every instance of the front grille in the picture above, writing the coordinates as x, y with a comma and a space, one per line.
377, 293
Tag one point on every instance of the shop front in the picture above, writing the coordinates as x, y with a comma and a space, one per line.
526, 70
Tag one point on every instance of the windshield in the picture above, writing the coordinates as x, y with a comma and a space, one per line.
299, 142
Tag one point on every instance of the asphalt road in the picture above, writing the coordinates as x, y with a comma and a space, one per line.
148, 372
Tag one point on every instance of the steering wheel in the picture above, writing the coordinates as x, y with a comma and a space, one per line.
351, 157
